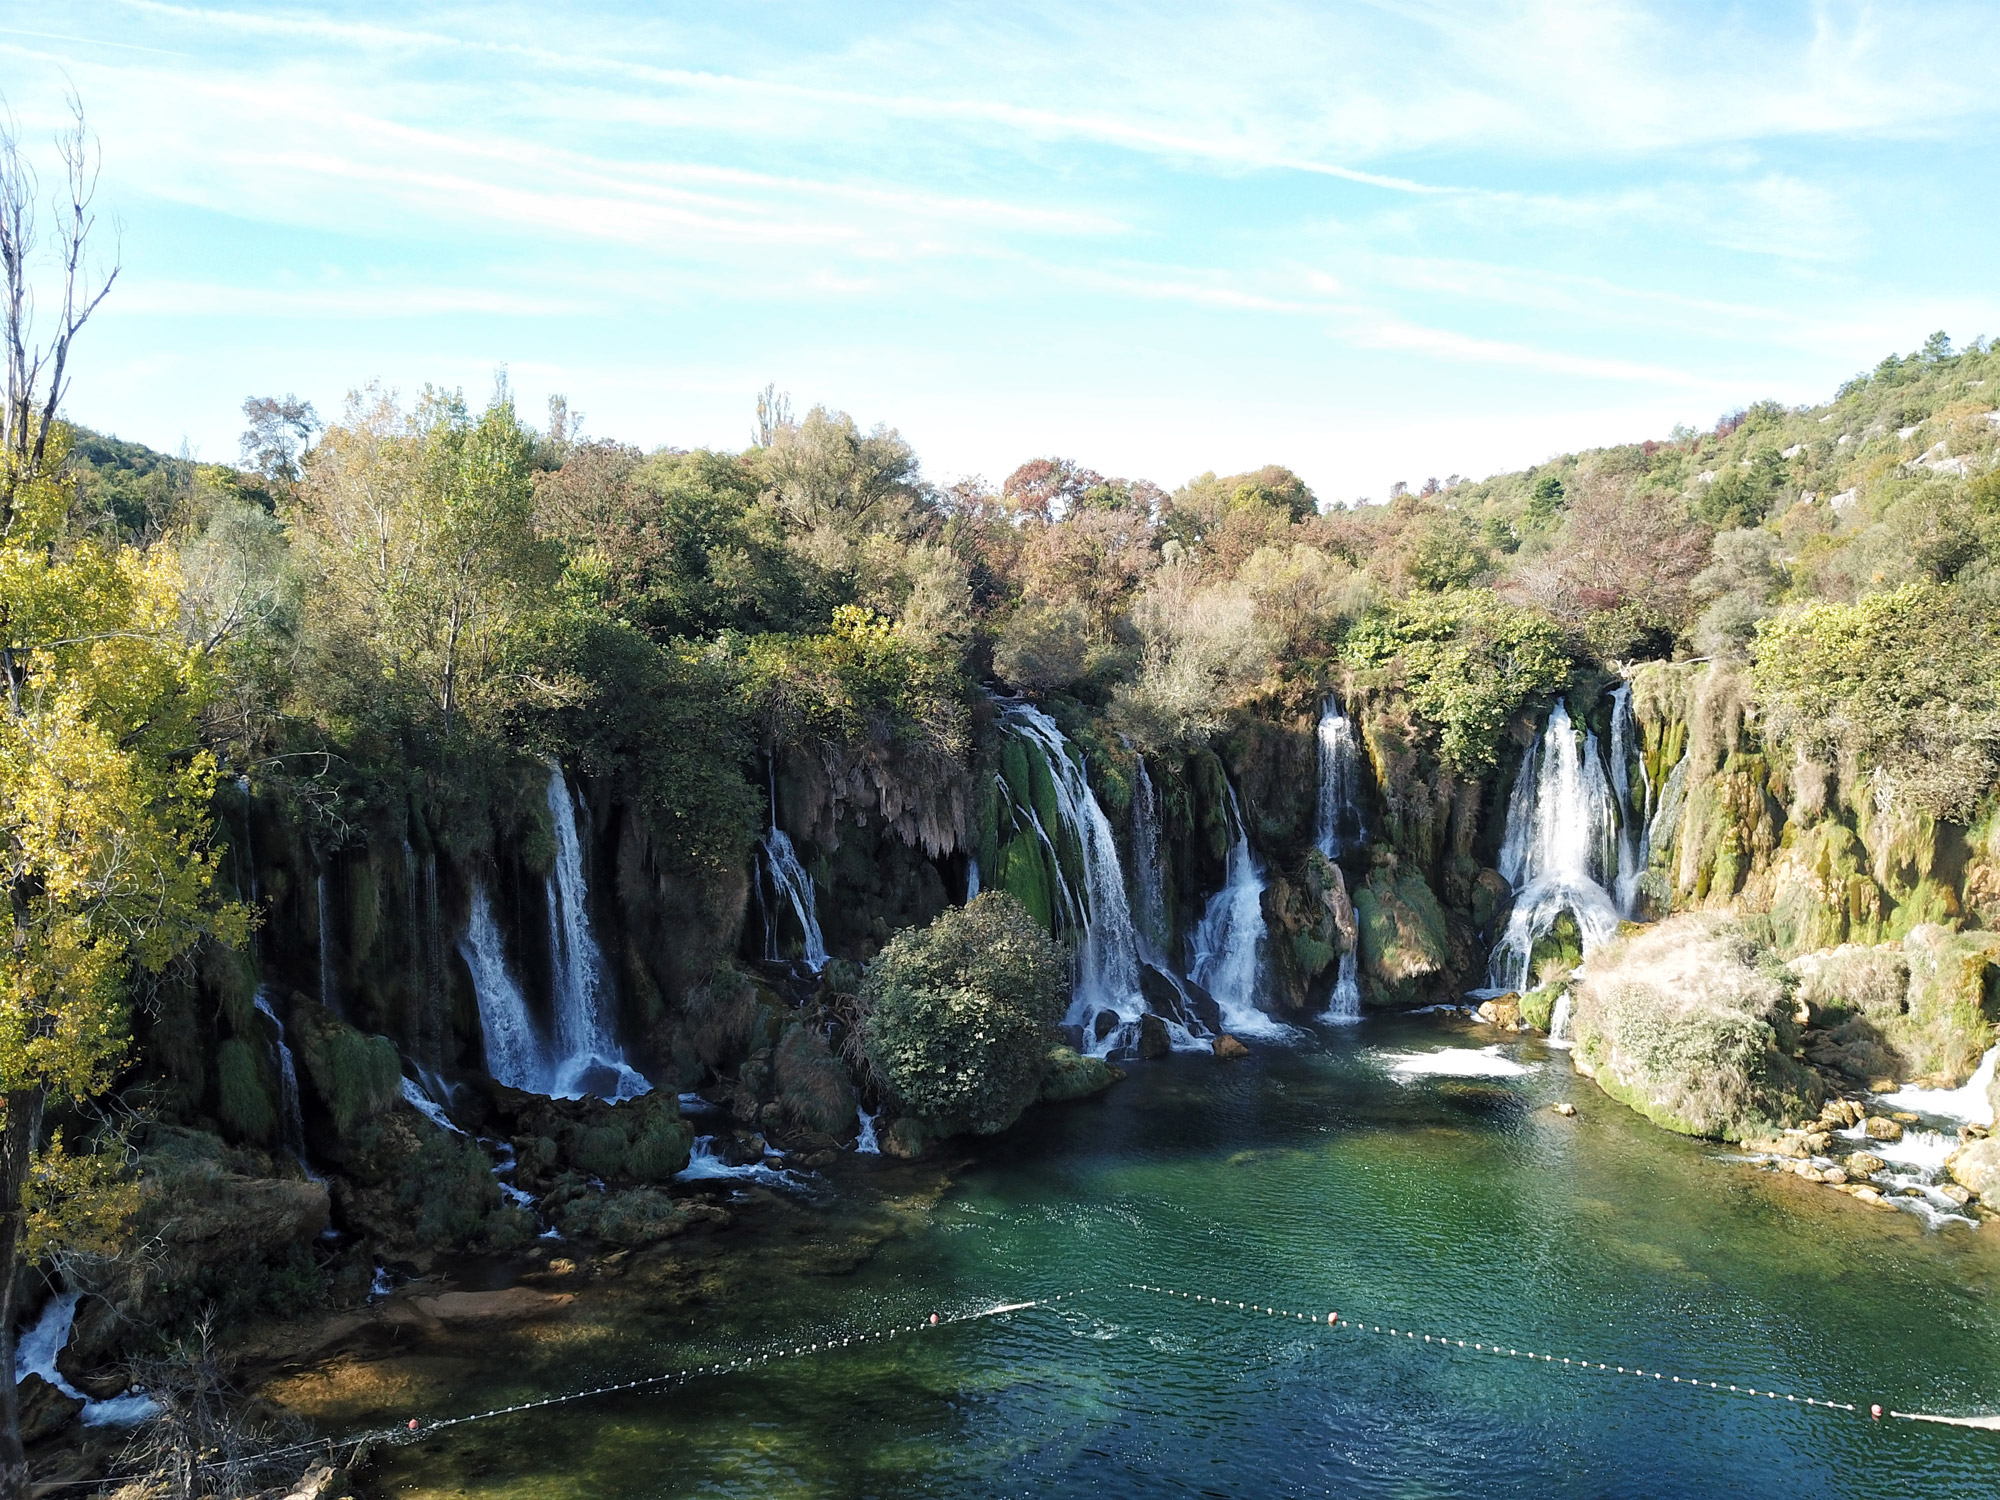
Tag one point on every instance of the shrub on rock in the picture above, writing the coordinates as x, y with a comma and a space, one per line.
1687, 1023
958, 1014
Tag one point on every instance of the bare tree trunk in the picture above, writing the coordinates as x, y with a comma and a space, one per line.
17, 1145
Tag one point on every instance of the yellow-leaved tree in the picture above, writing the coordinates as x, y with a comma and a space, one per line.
104, 788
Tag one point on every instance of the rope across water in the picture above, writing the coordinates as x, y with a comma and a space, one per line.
1332, 1323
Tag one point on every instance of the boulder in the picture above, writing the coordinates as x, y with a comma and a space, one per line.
1504, 1012
45, 1411
1405, 939
1226, 1045
1154, 1042
1681, 1022
635, 1141
1565, 1109
1071, 1075
1882, 1128
1834, 1176
1977, 1167
1864, 1163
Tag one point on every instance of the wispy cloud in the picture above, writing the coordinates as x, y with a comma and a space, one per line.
1252, 212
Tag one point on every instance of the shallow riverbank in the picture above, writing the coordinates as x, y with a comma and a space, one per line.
1446, 1195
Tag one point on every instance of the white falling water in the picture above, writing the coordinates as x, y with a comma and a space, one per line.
249, 837
1340, 825
1107, 956
865, 1143
790, 880
35, 1353
1343, 1006
515, 1052
1560, 849
587, 1056
971, 879
1228, 945
326, 992
1971, 1103
1559, 1022
294, 1124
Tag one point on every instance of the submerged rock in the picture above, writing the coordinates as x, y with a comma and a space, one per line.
1227, 1046
1071, 1075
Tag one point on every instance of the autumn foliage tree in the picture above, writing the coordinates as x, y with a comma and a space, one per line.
104, 790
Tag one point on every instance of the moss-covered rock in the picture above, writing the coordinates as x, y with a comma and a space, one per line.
1405, 940
1071, 1075
355, 1077
813, 1090
639, 1141
244, 1093
1687, 1023
1921, 1009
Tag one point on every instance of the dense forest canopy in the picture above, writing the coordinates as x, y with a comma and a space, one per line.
421, 589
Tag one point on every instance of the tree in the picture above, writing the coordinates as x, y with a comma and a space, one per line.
38, 374
958, 1015
281, 428
420, 529
104, 855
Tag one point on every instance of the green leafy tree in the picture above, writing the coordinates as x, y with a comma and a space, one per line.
104, 857
958, 1015
1469, 660
418, 533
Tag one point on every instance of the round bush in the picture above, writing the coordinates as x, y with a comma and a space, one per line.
958, 1014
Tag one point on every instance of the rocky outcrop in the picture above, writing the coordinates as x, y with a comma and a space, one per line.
1070, 1075
1680, 1022
1406, 942
1914, 1010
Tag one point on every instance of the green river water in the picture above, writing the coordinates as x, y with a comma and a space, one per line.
1310, 1178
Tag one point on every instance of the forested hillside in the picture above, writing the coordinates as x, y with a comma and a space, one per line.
552, 777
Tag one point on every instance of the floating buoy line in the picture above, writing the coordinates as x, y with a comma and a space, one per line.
1331, 1322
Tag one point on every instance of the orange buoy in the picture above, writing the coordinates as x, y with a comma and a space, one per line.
1332, 1318
413, 1421
1875, 1412
934, 1319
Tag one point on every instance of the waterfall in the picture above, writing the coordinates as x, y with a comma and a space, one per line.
1632, 848
1107, 952
865, 1143
1559, 849
971, 878
249, 838
1559, 1022
326, 993
1343, 1006
515, 1054
588, 1058
1146, 882
1340, 824
1228, 945
294, 1124
790, 880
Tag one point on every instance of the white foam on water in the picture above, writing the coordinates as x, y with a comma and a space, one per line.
423, 1104
35, 1353
705, 1166
1925, 1150
1969, 1104
1455, 1062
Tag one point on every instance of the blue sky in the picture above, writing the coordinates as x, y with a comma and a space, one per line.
1373, 241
